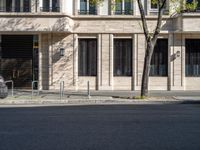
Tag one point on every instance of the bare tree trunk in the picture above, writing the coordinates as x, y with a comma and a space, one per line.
146, 69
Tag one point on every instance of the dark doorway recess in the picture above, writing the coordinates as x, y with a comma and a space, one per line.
18, 58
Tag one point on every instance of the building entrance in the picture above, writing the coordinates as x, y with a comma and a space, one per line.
19, 59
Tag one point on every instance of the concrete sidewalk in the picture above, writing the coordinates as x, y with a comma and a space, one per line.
52, 97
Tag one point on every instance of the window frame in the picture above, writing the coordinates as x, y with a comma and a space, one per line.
95, 58
123, 10
166, 7
193, 55
89, 8
131, 57
158, 59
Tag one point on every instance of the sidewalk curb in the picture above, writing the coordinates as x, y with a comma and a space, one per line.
82, 102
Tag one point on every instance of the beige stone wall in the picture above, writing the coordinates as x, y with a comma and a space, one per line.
44, 61
55, 68
122, 83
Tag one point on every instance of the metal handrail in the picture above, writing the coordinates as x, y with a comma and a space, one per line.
87, 12
33, 83
12, 86
62, 86
15, 9
50, 9
88, 89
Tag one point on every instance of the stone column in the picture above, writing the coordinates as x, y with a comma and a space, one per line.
134, 62
75, 7
170, 61
177, 71
34, 6
50, 5
183, 53
99, 62
40, 62
50, 55
112, 3
13, 5
75, 62
111, 59
105, 71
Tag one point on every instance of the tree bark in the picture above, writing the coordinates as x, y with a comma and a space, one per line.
146, 69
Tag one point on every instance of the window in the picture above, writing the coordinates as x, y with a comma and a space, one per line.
8, 5
122, 57
118, 7
26, 6
87, 56
191, 1
15, 5
154, 5
159, 60
87, 7
55, 6
124, 7
46, 6
51, 6
192, 57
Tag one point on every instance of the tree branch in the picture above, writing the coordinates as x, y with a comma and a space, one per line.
144, 23
161, 5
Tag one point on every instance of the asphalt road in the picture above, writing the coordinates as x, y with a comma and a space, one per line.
133, 127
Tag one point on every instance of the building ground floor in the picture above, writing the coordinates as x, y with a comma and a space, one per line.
107, 61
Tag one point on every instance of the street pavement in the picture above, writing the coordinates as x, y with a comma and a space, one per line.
110, 127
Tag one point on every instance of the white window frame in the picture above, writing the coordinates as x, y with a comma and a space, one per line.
50, 4
123, 6
156, 9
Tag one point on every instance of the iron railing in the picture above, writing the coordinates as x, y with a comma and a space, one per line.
15, 9
87, 12
123, 12
50, 9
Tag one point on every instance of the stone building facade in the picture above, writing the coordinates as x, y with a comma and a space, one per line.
73, 41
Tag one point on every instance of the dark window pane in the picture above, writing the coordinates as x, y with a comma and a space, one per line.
55, 5
118, 7
154, 5
83, 6
122, 57
128, 7
87, 57
26, 6
159, 60
189, 1
198, 6
46, 5
8, 5
17, 5
92, 8
192, 57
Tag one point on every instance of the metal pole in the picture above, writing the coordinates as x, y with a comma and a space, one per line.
88, 89
61, 89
